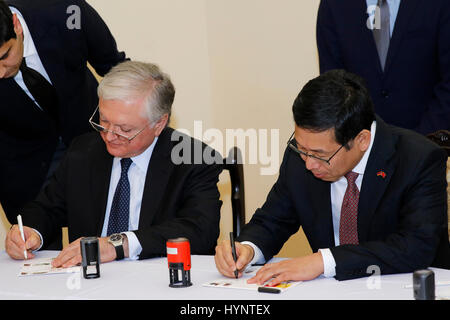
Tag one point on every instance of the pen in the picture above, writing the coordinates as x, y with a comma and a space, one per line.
233, 250
19, 221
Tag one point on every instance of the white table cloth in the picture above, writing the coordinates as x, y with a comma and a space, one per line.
149, 279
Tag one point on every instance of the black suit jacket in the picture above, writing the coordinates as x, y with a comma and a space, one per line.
402, 218
414, 89
179, 200
28, 136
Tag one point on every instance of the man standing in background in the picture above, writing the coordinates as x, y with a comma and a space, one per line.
47, 92
400, 48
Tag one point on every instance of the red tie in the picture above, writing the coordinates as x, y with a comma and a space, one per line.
348, 226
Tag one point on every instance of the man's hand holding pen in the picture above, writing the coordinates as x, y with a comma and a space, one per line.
224, 258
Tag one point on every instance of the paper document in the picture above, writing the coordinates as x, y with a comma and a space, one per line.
241, 283
43, 266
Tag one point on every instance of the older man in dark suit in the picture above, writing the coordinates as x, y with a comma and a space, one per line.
367, 194
127, 185
47, 92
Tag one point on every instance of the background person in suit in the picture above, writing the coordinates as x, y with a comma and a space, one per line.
90, 192
40, 116
366, 193
404, 56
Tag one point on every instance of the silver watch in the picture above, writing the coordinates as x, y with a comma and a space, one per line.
116, 239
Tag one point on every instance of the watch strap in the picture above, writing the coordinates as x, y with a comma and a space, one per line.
118, 245
119, 252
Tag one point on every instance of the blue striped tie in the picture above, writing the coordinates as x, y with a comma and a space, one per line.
120, 208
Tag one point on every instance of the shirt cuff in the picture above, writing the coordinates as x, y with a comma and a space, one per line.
329, 264
258, 257
134, 246
42, 240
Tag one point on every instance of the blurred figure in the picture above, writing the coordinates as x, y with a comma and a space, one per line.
402, 50
46, 89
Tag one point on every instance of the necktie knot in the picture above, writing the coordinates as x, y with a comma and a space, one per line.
23, 65
351, 177
125, 163
42, 91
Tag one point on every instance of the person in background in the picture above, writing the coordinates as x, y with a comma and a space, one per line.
400, 48
47, 91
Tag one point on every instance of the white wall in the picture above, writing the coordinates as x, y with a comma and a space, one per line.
235, 64
4, 227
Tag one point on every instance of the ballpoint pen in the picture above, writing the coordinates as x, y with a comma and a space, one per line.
19, 221
233, 251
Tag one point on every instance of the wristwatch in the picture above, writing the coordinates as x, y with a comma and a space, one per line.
116, 239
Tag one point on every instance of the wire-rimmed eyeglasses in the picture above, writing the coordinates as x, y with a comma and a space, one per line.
305, 155
121, 136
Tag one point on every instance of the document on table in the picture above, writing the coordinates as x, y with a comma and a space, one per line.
241, 283
43, 266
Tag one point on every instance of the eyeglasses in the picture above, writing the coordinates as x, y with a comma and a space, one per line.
304, 154
120, 136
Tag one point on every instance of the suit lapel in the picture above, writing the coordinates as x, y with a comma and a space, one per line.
402, 21
319, 193
379, 170
45, 40
158, 174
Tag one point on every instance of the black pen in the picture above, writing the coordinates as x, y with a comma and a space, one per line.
233, 251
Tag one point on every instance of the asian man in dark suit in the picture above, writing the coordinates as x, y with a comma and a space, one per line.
368, 195
50, 41
400, 48
131, 185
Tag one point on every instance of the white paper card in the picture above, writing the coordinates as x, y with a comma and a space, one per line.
43, 266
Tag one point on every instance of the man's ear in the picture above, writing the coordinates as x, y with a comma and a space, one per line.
161, 124
17, 25
363, 140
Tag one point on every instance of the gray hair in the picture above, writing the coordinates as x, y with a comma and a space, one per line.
133, 79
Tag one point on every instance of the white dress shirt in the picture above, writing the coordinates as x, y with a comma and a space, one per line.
337, 191
30, 55
136, 175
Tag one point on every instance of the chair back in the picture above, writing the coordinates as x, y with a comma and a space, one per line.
233, 163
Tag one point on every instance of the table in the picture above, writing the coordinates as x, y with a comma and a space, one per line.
149, 279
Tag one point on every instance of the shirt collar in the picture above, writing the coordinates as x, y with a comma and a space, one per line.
142, 160
29, 48
361, 166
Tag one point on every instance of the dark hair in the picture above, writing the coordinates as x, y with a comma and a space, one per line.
336, 99
6, 24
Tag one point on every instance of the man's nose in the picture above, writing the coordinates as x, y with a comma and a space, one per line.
109, 135
311, 163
